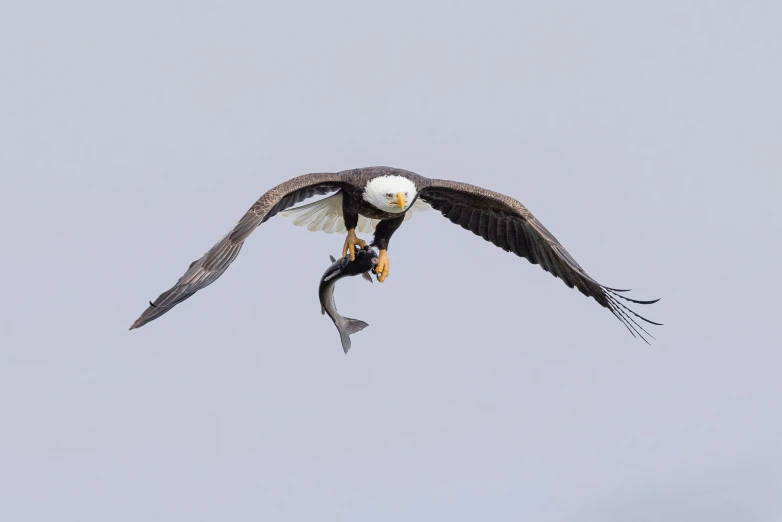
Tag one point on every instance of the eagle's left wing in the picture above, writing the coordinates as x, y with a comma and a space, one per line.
508, 224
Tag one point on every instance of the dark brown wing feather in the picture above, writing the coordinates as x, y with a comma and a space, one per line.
207, 269
505, 222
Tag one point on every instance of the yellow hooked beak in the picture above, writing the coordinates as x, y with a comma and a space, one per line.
400, 200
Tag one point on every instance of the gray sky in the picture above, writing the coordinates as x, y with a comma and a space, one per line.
645, 137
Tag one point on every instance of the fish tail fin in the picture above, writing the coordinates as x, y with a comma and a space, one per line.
350, 326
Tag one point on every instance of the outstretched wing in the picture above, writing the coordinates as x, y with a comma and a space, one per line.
505, 222
207, 269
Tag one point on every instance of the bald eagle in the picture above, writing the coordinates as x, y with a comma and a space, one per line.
381, 199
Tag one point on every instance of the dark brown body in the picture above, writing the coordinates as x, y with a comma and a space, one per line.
354, 204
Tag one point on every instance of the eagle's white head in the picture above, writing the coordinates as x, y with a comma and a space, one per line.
392, 194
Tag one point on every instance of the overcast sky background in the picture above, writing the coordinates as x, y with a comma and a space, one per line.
646, 137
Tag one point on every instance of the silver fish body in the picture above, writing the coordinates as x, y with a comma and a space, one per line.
366, 259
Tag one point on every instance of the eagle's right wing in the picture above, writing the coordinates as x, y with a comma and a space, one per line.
204, 271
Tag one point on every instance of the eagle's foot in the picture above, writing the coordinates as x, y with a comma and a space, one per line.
381, 269
350, 244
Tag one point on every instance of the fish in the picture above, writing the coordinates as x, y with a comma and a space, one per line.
366, 260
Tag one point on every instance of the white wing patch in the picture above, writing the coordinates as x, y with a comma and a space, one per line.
325, 215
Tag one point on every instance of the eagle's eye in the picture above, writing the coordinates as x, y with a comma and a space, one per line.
405, 194
389, 195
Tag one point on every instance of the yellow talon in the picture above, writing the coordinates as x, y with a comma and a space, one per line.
350, 244
381, 269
